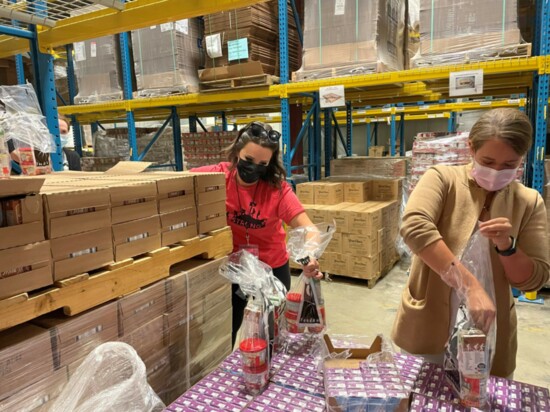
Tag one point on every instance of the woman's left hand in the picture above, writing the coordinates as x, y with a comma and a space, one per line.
499, 231
311, 270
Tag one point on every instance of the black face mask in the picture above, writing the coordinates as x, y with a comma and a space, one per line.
250, 172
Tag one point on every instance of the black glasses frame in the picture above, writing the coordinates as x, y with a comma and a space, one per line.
259, 131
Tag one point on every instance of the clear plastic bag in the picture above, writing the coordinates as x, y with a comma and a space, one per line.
5, 159
305, 309
23, 121
468, 346
112, 378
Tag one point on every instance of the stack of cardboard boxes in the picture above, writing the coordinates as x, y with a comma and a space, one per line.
366, 215
180, 327
202, 149
25, 259
369, 167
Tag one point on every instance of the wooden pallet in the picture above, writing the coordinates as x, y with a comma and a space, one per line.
238, 83
86, 291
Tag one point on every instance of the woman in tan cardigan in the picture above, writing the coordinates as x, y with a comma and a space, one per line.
442, 213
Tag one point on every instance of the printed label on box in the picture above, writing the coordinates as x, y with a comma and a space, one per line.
237, 49
137, 237
79, 51
177, 226
182, 26
214, 45
332, 96
93, 49
466, 83
339, 7
88, 251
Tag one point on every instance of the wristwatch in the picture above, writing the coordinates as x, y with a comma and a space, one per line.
510, 251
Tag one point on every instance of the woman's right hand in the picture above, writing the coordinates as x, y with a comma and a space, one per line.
481, 307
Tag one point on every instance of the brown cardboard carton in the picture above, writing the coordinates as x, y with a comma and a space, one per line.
178, 225
360, 245
209, 188
175, 193
364, 267
376, 151
369, 167
356, 192
75, 337
135, 309
329, 193
25, 358
385, 189
70, 210
132, 201
25, 268
306, 192
150, 338
317, 213
127, 168
211, 216
136, 237
37, 397
80, 253
335, 245
362, 220
340, 216
339, 263
25, 224
159, 373
20, 186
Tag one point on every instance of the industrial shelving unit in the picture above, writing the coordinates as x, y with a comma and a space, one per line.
393, 97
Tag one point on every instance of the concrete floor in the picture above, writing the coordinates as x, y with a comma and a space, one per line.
354, 309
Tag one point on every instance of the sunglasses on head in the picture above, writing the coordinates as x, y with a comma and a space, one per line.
256, 129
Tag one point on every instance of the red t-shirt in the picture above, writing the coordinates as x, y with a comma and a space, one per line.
263, 208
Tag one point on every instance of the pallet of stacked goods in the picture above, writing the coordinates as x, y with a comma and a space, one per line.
349, 38
180, 328
200, 149
242, 47
454, 32
366, 214
167, 58
106, 235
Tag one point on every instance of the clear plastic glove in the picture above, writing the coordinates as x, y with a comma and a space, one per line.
480, 306
311, 269
499, 231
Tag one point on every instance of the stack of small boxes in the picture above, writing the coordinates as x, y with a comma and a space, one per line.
366, 217
166, 323
202, 149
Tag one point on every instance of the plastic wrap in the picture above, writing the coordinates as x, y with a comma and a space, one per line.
305, 304
475, 319
23, 121
167, 57
5, 159
257, 53
201, 149
413, 21
112, 377
97, 70
352, 37
460, 31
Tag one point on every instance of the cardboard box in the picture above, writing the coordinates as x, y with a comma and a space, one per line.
339, 263
385, 189
175, 193
376, 151
21, 194
362, 220
159, 372
37, 397
136, 237
317, 213
135, 309
306, 192
134, 201
364, 267
73, 338
356, 192
360, 245
211, 216
329, 193
209, 188
71, 210
367, 167
21, 347
339, 214
25, 268
150, 338
80, 253
178, 225
335, 245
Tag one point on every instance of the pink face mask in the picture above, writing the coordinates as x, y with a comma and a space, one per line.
491, 179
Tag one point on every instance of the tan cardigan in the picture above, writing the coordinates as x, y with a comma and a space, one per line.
446, 205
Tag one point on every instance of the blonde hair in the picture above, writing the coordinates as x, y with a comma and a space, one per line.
512, 126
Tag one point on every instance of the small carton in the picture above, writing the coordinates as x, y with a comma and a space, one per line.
360, 245
178, 225
376, 151
81, 253
175, 192
306, 192
327, 193
335, 245
25, 268
339, 214
209, 188
339, 263
356, 192
136, 237
385, 189
149, 338
211, 216
136, 309
364, 218
317, 213
364, 267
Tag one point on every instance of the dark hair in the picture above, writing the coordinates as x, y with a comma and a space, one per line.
512, 126
263, 135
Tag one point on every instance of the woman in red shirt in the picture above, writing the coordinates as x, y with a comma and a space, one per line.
258, 201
